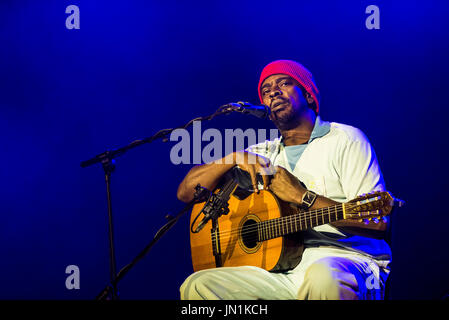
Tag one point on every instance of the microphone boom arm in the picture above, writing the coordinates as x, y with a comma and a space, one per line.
107, 160
260, 111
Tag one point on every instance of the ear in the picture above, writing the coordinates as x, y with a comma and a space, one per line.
309, 98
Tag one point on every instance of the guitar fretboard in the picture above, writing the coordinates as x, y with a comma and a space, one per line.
279, 227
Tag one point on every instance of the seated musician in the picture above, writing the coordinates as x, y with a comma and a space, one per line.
317, 164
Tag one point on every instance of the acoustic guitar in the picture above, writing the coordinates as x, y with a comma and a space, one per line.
259, 229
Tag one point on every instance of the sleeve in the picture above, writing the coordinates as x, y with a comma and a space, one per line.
260, 149
359, 168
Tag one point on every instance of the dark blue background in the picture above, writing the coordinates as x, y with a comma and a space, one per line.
136, 67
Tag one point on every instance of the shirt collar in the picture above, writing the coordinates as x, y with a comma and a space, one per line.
320, 129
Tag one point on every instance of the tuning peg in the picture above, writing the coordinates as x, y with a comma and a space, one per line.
375, 220
399, 202
384, 220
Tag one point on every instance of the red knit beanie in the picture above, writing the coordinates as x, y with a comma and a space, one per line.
294, 70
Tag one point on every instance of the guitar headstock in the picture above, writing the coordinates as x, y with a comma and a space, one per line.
371, 206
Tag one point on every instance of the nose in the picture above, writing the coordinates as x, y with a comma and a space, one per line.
275, 93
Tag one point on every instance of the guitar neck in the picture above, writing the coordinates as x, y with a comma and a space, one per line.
279, 227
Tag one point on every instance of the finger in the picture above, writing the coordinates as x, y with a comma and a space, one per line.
272, 184
252, 173
263, 171
265, 181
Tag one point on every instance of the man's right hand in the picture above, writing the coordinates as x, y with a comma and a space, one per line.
254, 164
208, 175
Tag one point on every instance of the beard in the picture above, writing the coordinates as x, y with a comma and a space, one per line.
286, 118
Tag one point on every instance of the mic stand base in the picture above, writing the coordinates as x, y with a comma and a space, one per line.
109, 167
109, 292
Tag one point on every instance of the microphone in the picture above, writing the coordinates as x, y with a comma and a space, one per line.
215, 206
261, 111
203, 223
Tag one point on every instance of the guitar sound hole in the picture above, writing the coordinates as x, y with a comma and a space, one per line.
249, 234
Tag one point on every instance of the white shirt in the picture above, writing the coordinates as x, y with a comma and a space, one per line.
338, 163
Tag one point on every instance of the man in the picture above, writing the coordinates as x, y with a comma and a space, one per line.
335, 163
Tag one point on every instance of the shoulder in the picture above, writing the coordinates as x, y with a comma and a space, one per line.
347, 133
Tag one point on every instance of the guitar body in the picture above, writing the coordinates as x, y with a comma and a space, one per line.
237, 236
263, 231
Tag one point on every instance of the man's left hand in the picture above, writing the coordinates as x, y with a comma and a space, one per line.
286, 186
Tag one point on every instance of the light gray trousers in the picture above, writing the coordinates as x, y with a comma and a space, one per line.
324, 273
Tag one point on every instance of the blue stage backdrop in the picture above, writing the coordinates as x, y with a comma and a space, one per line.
131, 68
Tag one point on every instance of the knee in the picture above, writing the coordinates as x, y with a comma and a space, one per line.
197, 286
188, 287
319, 278
322, 281
182, 289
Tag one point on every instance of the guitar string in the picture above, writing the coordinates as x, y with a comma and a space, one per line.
272, 225
276, 224
229, 186
273, 228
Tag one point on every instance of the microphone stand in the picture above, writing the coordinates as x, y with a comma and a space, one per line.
107, 160
108, 292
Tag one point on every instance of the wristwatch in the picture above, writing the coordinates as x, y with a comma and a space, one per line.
308, 199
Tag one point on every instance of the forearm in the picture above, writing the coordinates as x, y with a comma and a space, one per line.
350, 226
354, 227
208, 175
